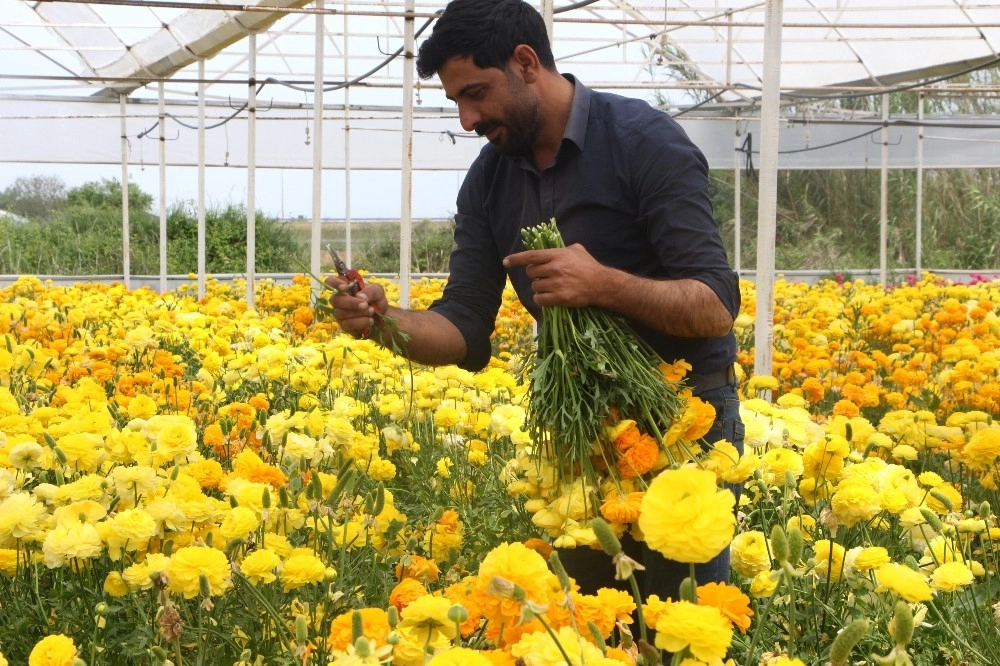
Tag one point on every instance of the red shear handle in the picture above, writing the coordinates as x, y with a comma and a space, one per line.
355, 282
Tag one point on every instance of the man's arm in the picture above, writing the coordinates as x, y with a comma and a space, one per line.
432, 339
571, 277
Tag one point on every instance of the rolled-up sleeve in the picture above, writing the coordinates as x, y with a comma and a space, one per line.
473, 292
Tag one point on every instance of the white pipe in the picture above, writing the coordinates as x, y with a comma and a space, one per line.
405, 223
548, 15
317, 180
126, 244
347, 145
163, 190
737, 176
252, 169
737, 202
919, 257
883, 215
202, 268
768, 204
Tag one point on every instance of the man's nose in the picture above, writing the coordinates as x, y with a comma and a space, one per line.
468, 117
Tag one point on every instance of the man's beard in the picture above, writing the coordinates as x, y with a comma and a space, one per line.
519, 130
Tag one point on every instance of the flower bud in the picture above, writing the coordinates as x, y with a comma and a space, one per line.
901, 624
560, 571
795, 545
265, 499
204, 589
301, 629
931, 518
363, 648
985, 511
944, 499
609, 542
688, 591
458, 614
845, 641
596, 635
779, 543
392, 617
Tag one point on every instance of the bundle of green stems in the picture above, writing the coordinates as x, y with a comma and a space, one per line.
589, 369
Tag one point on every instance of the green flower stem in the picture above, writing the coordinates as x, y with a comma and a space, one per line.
555, 638
638, 607
950, 630
758, 630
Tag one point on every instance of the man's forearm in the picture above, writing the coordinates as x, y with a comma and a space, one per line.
433, 340
686, 308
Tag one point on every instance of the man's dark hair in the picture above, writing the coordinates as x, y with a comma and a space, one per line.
486, 30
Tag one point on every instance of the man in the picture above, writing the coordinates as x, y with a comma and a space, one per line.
629, 192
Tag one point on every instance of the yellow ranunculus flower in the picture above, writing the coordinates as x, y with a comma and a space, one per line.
427, 618
189, 563
904, 581
259, 566
115, 585
301, 569
950, 576
686, 516
750, 554
54, 650
703, 630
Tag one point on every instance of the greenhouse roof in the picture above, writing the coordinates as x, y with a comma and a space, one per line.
72, 47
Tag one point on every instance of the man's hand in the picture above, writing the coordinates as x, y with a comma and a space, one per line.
571, 277
565, 276
356, 314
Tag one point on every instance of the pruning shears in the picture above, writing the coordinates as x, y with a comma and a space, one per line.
355, 282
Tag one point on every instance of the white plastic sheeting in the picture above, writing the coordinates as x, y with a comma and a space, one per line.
89, 134
628, 43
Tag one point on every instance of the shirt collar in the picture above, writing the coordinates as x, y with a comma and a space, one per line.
576, 125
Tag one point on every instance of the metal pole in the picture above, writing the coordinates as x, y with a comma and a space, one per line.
405, 222
737, 176
163, 191
548, 15
919, 258
883, 216
317, 180
347, 146
202, 268
126, 245
252, 170
737, 202
767, 208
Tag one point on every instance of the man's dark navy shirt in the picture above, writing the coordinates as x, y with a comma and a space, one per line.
627, 184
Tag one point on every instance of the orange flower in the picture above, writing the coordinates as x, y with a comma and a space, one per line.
674, 372
374, 627
730, 600
639, 458
543, 548
259, 402
618, 508
846, 408
405, 592
699, 417
420, 568
213, 435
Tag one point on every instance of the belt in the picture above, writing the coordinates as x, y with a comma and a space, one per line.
709, 381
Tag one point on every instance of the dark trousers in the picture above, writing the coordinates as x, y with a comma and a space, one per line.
593, 569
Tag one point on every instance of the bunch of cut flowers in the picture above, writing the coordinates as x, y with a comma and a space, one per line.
605, 415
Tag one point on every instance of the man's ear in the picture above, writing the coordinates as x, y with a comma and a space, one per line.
524, 62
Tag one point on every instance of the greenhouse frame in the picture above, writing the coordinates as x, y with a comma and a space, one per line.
326, 92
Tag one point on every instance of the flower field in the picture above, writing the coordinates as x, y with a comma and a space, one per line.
198, 482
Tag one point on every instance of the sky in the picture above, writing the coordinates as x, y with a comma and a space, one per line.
280, 193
